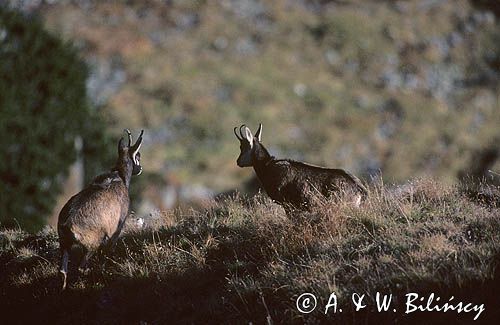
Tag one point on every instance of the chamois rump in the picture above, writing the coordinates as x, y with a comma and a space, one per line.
292, 183
96, 215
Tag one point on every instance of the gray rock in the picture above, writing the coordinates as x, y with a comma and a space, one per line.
105, 79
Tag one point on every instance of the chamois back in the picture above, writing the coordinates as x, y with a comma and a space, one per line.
96, 214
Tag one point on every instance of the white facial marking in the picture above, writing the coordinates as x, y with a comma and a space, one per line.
135, 158
259, 133
137, 150
249, 136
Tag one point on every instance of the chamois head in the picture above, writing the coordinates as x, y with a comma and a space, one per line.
248, 145
129, 158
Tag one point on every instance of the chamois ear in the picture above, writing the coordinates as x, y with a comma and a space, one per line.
249, 136
258, 134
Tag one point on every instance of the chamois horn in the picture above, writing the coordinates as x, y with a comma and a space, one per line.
138, 143
129, 136
241, 132
236, 134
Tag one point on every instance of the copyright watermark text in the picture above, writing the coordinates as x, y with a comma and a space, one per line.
307, 303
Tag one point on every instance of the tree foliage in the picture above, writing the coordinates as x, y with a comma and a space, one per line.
43, 109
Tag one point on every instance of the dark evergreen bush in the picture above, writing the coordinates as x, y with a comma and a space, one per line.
43, 108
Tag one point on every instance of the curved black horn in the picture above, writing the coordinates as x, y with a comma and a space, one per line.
241, 133
137, 144
236, 134
129, 136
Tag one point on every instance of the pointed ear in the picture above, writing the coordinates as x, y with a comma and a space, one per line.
249, 136
258, 134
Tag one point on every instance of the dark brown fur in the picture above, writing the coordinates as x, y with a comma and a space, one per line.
93, 215
97, 214
293, 183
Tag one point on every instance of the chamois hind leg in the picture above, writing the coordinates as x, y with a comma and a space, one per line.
114, 237
64, 267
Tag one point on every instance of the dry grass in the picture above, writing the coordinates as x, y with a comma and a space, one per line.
244, 260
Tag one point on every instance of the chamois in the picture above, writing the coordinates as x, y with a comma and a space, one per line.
292, 183
96, 215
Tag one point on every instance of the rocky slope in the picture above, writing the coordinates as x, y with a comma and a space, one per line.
405, 88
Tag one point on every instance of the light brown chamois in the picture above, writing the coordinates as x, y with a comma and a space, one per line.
96, 215
293, 183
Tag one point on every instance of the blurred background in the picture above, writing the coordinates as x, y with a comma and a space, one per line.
391, 89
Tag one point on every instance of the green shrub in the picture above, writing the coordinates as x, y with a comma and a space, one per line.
43, 109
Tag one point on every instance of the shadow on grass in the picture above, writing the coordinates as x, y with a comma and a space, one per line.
199, 294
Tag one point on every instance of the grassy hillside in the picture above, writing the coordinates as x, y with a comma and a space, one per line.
243, 260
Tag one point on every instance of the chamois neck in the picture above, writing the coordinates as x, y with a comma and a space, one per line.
124, 171
261, 156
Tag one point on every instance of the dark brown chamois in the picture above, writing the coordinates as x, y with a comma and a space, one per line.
292, 183
96, 215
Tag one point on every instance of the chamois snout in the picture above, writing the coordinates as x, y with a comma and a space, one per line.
247, 145
243, 162
245, 158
